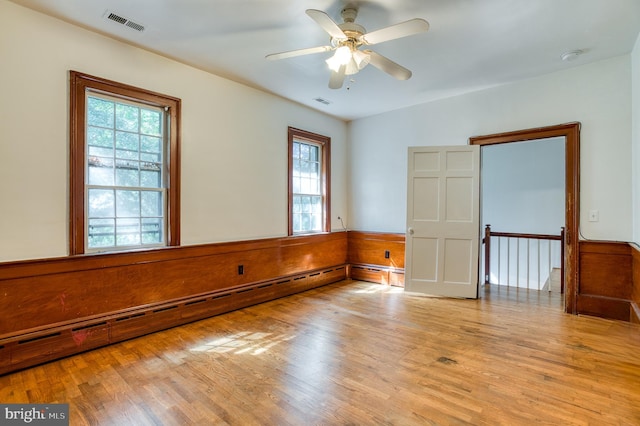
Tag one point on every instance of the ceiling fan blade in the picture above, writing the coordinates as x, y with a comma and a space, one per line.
326, 23
337, 78
403, 29
388, 66
299, 52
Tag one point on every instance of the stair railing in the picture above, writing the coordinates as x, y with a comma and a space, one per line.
498, 236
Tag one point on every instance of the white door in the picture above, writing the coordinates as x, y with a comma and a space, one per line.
443, 225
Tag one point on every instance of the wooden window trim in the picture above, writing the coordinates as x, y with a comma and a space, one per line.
79, 83
325, 142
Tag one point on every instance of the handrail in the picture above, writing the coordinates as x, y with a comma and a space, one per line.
529, 236
488, 233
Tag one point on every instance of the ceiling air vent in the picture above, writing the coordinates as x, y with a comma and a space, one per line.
124, 21
322, 101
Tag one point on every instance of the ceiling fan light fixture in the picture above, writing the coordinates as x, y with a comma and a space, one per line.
341, 57
361, 58
358, 61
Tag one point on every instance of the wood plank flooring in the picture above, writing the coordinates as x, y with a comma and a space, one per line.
356, 353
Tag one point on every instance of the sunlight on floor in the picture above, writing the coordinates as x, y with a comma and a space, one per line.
380, 288
246, 342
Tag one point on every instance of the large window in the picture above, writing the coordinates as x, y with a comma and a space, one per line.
124, 167
309, 207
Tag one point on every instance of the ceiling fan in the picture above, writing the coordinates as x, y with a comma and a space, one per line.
346, 40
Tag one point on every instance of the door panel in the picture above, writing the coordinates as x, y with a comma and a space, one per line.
443, 221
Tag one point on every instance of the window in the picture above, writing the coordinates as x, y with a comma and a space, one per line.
124, 167
309, 169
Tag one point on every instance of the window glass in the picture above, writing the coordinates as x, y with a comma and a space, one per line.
124, 151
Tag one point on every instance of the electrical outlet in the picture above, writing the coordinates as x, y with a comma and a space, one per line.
594, 215
387, 254
240, 269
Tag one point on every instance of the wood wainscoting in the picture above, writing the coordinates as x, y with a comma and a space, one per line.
609, 272
606, 279
53, 308
377, 257
635, 290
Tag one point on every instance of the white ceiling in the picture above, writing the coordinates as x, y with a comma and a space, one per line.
471, 45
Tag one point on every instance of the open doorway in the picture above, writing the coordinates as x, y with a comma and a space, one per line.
571, 134
522, 212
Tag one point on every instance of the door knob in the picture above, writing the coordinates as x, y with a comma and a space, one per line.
410, 231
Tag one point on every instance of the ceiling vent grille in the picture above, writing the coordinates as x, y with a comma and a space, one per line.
124, 21
322, 101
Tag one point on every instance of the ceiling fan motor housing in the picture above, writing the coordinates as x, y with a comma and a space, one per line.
352, 30
349, 14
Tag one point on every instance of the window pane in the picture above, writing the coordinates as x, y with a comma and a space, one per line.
315, 222
100, 171
99, 137
101, 203
99, 112
127, 232
150, 122
127, 155
296, 167
128, 203
150, 179
101, 233
152, 231
296, 184
127, 173
304, 151
304, 185
100, 152
316, 206
305, 222
127, 141
152, 204
126, 117
151, 158
150, 144
297, 225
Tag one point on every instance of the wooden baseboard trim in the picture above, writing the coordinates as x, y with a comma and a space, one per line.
377, 274
604, 307
634, 313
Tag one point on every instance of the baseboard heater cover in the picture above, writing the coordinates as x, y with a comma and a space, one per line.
57, 341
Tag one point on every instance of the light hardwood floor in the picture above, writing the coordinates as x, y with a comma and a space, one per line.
358, 353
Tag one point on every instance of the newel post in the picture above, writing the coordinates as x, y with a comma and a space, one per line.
487, 251
562, 237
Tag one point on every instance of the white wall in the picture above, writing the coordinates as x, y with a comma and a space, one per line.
598, 95
523, 186
635, 72
234, 138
